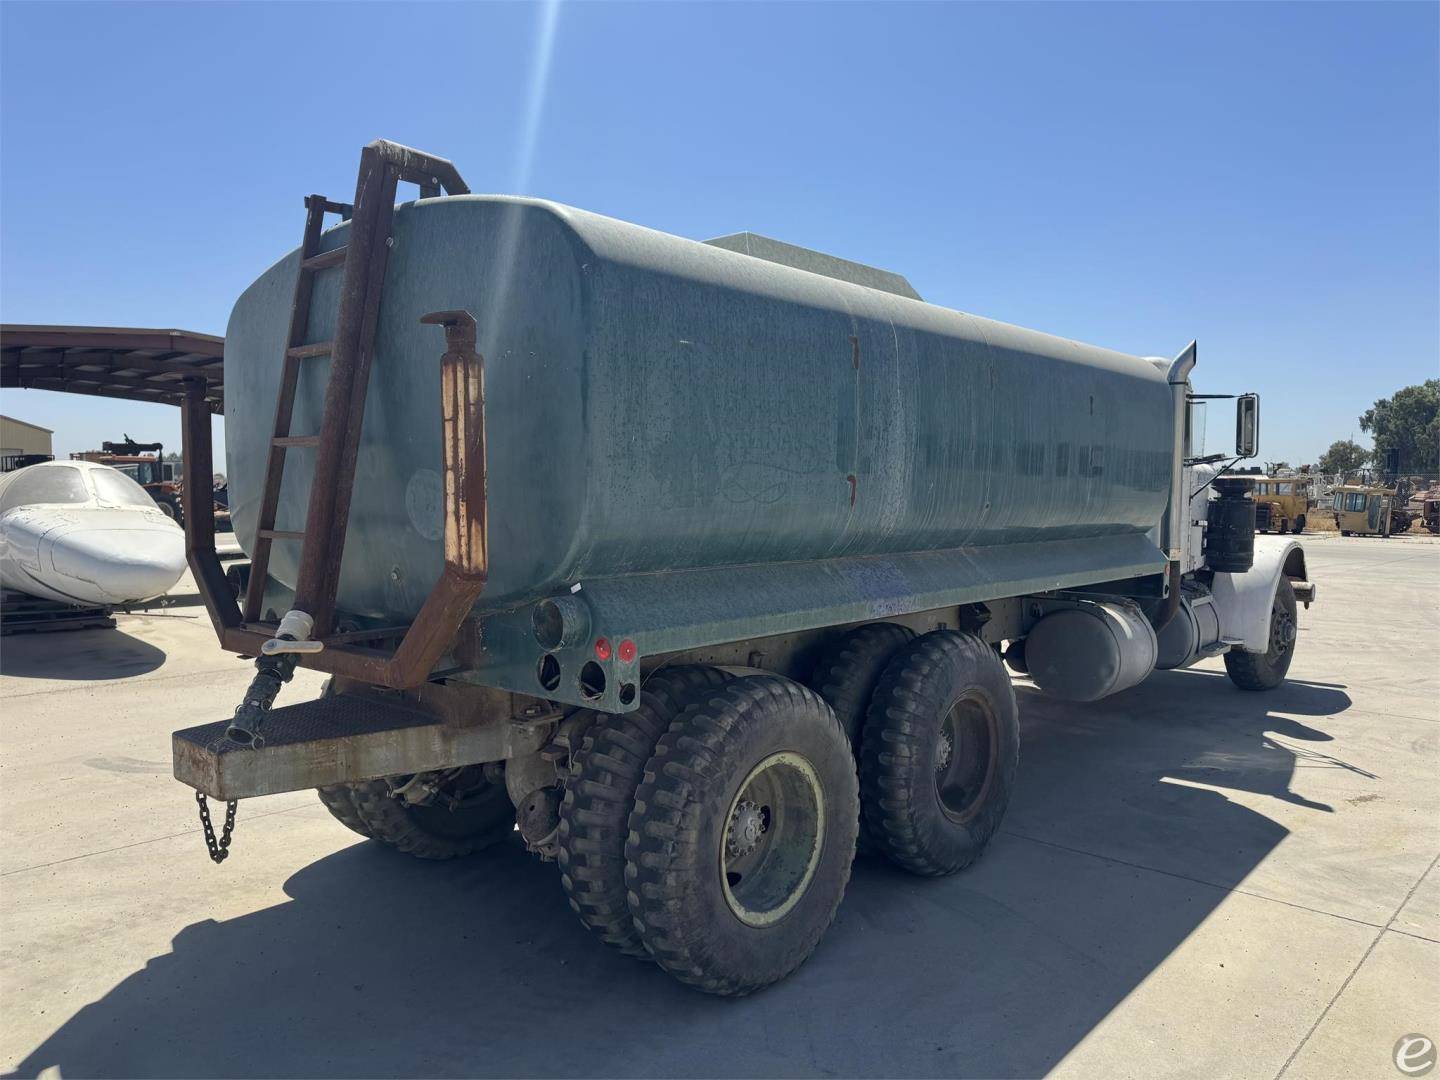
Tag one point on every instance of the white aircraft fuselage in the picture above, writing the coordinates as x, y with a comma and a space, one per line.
83, 533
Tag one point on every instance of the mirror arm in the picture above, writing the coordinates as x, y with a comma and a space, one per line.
1218, 473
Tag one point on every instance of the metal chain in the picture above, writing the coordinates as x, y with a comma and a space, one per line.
221, 850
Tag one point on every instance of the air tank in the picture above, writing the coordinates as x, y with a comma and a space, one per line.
659, 404
1091, 651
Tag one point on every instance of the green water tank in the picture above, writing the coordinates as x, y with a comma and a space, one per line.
660, 406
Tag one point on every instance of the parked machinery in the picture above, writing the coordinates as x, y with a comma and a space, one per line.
1282, 503
1427, 506
708, 551
1373, 509
145, 464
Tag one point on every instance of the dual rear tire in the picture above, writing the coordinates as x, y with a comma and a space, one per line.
939, 753
712, 829
605, 773
742, 835
743, 818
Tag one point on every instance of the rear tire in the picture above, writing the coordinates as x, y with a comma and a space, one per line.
340, 801
1299, 524
600, 794
1266, 671
742, 836
846, 677
851, 667
942, 743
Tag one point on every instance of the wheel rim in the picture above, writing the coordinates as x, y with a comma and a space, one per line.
1282, 632
771, 841
965, 756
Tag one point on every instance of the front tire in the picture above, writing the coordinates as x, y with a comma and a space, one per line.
1299, 524
1266, 671
742, 836
941, 746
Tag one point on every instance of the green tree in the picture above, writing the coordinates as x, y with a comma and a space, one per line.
1408, 422
1344, 456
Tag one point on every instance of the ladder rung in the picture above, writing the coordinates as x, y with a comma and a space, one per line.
305, 352
281, 534
333, 257
296, 440
344, 209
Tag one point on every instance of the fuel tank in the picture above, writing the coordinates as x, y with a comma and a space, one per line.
658, 404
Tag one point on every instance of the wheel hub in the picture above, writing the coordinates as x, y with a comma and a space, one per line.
943, 751
1282, 632
772, 839
747, 827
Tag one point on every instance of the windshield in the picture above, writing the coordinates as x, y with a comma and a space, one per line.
45, 484
117, 489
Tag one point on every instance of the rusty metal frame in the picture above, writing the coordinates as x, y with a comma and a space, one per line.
425, 641
383, 165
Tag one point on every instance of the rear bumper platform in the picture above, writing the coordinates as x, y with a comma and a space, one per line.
339, 739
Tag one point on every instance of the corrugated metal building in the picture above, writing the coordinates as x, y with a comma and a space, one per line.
19, 437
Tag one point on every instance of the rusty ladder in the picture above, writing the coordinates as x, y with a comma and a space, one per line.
383, 165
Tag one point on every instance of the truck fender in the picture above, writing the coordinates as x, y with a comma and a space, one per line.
1244, 600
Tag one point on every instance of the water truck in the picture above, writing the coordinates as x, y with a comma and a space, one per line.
693, 567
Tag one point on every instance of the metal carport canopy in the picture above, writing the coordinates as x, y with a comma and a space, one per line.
132, 363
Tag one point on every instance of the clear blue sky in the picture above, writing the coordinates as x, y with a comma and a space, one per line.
1261, 177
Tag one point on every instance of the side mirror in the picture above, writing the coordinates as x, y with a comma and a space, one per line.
1247, 425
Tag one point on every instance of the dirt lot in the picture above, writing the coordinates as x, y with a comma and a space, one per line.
1191, 881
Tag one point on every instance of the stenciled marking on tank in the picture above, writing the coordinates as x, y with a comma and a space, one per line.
425, 503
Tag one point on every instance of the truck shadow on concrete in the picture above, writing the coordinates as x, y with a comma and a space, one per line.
381, 965
84, 655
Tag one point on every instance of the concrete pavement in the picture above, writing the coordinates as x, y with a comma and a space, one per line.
1191, 881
